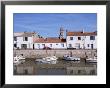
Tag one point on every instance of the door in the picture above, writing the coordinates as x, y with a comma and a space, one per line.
23, 46
33, 46
38, 46
91, 46
70, 45
77, 45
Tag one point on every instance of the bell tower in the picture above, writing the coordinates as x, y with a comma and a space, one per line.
61, 35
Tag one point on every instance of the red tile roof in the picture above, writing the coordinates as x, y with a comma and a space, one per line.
49, 40
81, 33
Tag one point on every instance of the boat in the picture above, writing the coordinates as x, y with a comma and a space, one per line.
51, 60
46, 62
18, 59
71, 58
75, 61
92, 60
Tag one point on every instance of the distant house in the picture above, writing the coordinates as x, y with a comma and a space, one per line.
73, 40
52, 43
24, 40
81, 40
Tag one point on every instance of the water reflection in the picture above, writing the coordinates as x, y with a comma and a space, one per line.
61, 67
81, 70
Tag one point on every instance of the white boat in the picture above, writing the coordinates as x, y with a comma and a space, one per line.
72, 58
18, 59
46, 62
51, 60
94, 59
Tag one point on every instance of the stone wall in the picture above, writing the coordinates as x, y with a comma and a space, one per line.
58, 53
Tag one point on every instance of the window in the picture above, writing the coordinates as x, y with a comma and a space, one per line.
88, 45
70, 45
77, 45
15, 38
43, 45
71, 38
79, 38
92, 46
38, 45
50, 45
62, 45
92, 37
33, 46
25, 39
15, 45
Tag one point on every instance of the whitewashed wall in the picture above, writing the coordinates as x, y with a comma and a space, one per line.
88, 41
85, 40
54, 45
20, 41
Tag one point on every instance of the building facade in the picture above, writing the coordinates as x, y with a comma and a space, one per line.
52, 43
74, 40
81, 40
24, 40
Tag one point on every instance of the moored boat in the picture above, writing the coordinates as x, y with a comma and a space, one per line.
92, 60
18, 59
71, 58
51, 60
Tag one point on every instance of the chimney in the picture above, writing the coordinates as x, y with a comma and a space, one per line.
24, 31
45, 39
82, 31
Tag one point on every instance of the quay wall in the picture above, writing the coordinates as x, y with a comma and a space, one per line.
59, 53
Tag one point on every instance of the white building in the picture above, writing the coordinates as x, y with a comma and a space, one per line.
74, 40
51, 43
81, 40
24, 40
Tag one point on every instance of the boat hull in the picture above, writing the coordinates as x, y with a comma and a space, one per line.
71, 58
91, 61
45, 61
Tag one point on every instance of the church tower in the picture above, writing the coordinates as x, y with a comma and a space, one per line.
61, 35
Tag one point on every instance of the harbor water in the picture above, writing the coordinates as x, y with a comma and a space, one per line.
61, 67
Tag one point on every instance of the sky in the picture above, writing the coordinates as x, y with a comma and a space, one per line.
48, 24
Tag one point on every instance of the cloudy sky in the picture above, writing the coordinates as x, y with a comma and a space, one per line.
48, 24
